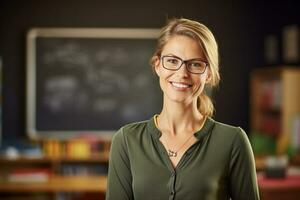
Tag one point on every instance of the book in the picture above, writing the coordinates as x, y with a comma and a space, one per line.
29, 175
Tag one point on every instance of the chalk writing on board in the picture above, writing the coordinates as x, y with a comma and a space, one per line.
94, 84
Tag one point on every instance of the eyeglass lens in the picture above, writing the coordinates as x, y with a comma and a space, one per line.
194, 66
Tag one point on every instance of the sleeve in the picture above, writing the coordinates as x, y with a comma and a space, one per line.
119, 181
243, 180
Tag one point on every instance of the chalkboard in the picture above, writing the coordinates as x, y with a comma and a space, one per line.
89, 81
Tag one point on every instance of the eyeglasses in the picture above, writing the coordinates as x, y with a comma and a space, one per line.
194, 66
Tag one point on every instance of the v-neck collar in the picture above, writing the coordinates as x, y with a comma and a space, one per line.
206, 128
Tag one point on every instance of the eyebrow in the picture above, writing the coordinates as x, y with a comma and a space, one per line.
173, 55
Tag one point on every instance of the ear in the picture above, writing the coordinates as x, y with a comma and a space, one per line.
156, 65
209, 77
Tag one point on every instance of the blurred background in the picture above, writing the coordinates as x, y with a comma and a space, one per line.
259, 46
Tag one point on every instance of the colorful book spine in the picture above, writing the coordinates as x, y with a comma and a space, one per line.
29, 175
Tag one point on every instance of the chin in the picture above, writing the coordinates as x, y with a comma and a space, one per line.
184, 99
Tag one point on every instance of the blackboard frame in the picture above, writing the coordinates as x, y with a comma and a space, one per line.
31, 89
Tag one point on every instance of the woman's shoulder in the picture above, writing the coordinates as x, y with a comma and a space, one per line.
132, 129
229, 132
225, 127
134, 126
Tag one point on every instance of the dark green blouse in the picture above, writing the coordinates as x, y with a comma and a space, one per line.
220, 165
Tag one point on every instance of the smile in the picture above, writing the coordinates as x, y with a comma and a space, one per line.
180, 85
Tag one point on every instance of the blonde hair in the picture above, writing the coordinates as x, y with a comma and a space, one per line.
201, 34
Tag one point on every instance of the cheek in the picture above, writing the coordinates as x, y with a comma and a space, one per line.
164, 77
163, 74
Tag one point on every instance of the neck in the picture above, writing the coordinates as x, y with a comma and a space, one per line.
180, 119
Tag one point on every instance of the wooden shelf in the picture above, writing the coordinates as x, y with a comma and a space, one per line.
67, 174
101, 158
60, 184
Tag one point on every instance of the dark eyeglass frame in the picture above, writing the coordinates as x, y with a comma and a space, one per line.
183, 62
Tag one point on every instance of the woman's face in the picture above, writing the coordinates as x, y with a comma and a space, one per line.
181, 86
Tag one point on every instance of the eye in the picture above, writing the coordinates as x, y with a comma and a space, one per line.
197, 64
172, 61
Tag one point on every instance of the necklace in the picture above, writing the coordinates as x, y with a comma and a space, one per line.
173, 153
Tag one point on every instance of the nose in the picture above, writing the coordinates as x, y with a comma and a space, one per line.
183, 70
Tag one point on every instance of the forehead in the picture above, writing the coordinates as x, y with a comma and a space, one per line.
183, 47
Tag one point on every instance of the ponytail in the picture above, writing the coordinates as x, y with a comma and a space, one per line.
205, 105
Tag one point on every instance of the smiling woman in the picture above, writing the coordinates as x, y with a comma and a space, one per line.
188, 80
182, 153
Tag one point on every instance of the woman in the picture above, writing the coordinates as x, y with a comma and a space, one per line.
182, 153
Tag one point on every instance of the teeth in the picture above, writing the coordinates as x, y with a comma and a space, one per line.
180, 85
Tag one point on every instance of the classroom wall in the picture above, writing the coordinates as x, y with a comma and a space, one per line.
239, 28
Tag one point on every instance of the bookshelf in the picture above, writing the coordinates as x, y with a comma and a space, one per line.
275, 104
60, 184
67, 176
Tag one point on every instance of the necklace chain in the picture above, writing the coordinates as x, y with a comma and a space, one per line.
173, 153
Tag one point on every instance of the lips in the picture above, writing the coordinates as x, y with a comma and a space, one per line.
181, 85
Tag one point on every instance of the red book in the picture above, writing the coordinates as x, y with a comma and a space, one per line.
29, 175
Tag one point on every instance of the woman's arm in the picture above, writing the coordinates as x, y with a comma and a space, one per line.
119, 184
243, 180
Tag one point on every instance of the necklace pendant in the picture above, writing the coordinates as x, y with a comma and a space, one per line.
172, 153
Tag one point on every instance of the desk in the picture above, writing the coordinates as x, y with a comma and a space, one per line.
279, 189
